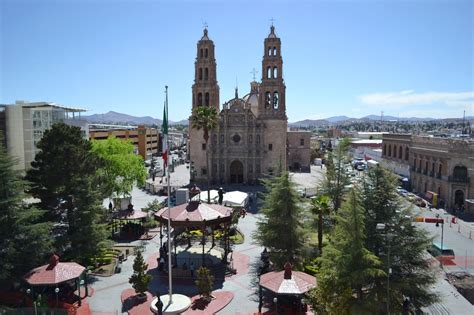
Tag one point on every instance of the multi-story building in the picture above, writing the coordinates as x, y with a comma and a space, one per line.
24, 124
439, 167
147, 141
396, 153
299, 150
251, 135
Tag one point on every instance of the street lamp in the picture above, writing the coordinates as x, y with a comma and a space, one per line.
383, 227
28, 291
275, 300
56, 291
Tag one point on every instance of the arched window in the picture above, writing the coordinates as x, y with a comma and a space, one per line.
389, 150
414, 163
460, 172
275, 72
269, 51
268, 99
440, 168
200, 53
432, 167
406, 153
274, 51
200, 99
206, 74
400, 153
257, 139
206, 99
206, 53
426, 166
384, 149
269, 72
276, 100
200, 73
394, 151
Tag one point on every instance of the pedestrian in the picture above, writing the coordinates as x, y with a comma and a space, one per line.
111, 206
191, 269
165, 249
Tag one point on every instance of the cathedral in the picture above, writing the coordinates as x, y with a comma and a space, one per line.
251, 139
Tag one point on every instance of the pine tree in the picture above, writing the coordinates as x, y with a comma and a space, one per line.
347, 268
140, 279
280, 227
411, 274
204, 282
25, 241
336, 179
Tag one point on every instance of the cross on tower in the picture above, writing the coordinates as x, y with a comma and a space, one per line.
254, 73
272, 20
204, 24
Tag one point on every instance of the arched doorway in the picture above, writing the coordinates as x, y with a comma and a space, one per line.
458, 198
236, 172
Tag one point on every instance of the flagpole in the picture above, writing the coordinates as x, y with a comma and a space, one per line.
169, 206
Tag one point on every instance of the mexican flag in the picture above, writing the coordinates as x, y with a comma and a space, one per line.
164, 131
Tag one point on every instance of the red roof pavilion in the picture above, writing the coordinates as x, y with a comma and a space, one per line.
288, 281
54, 273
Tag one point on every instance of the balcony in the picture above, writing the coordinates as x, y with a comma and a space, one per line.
458, 179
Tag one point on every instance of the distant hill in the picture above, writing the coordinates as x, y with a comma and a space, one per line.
337, 119
112, 117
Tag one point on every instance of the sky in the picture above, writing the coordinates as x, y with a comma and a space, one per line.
353, 58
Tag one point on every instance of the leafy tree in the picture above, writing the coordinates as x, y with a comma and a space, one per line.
280, 227
205, 118
411, 274
336, 179
122, 168
348, 268
320, 206
204, 282
140, 279
24, 239
63, 178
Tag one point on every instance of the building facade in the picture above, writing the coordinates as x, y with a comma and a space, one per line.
251, 137
396, 153
25, 123
299, 151
146, 140
441, 167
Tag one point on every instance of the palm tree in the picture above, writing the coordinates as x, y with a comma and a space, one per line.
320, 205
205, 118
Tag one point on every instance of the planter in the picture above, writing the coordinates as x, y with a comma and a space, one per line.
141, 297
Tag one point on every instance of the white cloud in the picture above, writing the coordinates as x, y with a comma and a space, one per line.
397, 100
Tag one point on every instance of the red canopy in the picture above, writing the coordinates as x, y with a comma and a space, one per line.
288, 281
55, 272
195, 213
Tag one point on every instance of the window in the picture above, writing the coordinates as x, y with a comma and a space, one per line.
200, 55
236, 138
270, 147
222, 138
400, 149
276, 100
440, 168
206, 74
406, 153
257, 140
269, 72
389, 150
394, 151
250, 139
302, 142
274, 51
203, 171
268, 99
204, 146
199, 99
384, 150
214, 139
200, 73
206, 53
269, 51
275, 72
206, 102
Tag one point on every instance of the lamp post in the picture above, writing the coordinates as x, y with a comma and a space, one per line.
442, 237
28, 291
56, 291
275, 300
383, 227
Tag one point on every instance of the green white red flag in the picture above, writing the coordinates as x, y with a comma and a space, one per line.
164, 131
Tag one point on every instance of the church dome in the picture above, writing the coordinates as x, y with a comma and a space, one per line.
251, 99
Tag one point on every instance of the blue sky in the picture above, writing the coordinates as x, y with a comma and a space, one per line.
407, 58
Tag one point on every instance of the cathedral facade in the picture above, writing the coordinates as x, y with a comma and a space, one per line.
251, 136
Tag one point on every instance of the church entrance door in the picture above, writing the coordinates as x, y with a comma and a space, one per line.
236, 172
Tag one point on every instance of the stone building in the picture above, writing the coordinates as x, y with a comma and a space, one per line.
396, 153
438, 166
251, 137
299, 151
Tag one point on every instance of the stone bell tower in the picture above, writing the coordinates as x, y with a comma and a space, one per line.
205, 93
272, 89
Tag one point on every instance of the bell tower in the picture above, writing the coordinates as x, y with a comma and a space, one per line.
205, 87
272, 89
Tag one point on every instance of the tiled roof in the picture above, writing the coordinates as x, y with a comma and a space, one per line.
54, 273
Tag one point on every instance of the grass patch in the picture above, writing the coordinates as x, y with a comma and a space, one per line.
238, 237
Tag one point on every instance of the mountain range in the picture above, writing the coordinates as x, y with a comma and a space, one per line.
112, 117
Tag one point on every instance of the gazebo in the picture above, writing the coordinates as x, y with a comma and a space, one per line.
286, 283
130, 215
56, 274
196, 214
